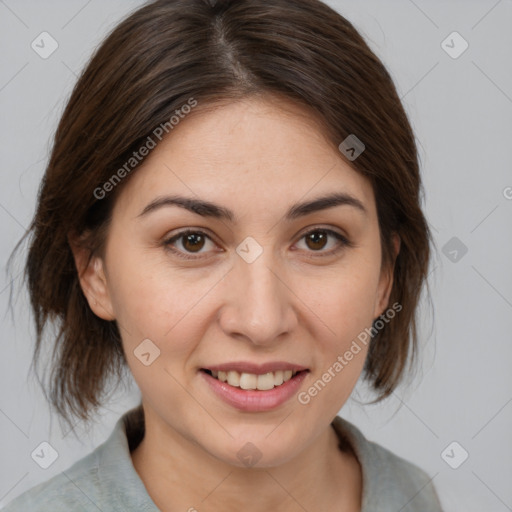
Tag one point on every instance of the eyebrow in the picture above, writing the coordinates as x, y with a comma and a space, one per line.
209, 209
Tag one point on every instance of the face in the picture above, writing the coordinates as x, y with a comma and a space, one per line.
252, 284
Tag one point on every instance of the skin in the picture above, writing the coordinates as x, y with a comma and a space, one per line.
256, 157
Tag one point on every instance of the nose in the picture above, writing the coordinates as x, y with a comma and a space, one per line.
258, 303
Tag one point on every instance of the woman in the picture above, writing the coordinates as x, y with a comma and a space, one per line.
231, 211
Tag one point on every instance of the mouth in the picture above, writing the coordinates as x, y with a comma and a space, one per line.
251, 387
254, 381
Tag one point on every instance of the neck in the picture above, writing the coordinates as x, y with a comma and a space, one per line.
180, 475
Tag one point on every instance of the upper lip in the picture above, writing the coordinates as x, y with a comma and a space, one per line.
257, 369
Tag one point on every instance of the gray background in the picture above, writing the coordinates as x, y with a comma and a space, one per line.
461, 111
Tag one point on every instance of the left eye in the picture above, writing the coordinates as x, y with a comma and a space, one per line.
317, 240
192, 241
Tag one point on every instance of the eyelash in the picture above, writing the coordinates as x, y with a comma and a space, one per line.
344, 242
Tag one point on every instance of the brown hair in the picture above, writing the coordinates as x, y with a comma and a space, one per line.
156, 59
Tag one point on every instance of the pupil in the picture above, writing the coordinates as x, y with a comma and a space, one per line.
317, 237
193, 240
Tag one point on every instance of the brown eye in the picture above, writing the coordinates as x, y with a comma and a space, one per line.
316, 240
193, 242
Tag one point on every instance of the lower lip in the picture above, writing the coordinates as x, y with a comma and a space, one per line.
255, 400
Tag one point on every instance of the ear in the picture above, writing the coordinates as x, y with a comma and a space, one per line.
93, 281
386, 281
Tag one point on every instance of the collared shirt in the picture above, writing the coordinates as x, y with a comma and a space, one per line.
106, 480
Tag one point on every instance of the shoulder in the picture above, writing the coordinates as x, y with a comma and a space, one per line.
103, 480
389, 481
68, 491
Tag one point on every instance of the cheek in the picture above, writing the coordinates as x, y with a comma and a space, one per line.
157, 307
343, 299
150, 300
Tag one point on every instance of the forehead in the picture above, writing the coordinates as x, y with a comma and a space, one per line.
256, 151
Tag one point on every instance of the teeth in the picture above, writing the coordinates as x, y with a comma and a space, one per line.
233, 378
252, 381
248, 381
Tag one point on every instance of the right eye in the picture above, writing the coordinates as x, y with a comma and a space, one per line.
192, 241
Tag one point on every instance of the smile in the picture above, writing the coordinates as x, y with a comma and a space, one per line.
267, 389
251, 381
